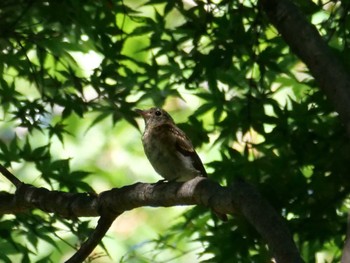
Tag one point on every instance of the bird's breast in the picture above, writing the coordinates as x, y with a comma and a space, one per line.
165, 158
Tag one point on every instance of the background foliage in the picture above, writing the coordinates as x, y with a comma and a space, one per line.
73, 71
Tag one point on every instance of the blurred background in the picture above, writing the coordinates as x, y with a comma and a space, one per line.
72, 72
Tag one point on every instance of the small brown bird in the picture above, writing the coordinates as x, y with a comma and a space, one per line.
167, 147
169, 150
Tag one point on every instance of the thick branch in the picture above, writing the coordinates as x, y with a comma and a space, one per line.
117, 200
308, 45
267, 222
61, 203
199, 191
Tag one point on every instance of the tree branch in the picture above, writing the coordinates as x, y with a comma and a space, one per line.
201, 191
198, 191
270, 225
9, 176
305, 41
104, 223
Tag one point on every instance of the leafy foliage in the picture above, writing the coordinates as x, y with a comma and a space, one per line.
273, 127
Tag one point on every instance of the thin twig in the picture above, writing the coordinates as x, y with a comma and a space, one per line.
13, 179
104, 223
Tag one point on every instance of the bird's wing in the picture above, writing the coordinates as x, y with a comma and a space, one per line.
184, 146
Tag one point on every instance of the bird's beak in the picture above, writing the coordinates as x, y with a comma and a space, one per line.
141, 112
144, 113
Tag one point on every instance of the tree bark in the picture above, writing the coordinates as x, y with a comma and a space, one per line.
241, 197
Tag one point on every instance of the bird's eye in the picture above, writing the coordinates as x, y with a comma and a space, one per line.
158, 113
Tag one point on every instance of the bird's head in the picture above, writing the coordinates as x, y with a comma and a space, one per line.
155, 116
